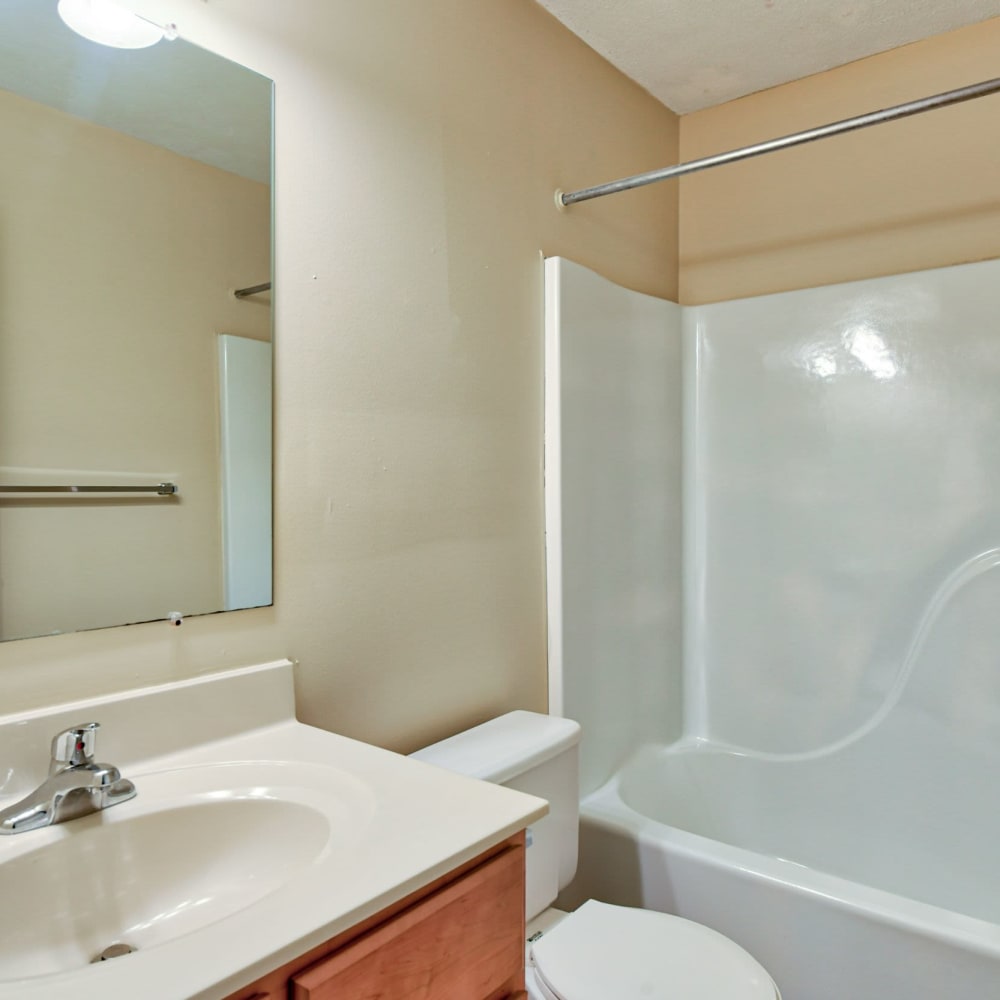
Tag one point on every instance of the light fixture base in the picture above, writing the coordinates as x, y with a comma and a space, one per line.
104, 22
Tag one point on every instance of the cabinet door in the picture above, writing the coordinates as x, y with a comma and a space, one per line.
463, 942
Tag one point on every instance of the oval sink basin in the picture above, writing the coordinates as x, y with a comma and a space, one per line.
196, 845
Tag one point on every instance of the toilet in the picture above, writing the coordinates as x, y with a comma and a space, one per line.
598, 951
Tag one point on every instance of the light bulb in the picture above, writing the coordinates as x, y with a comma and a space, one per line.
106, 23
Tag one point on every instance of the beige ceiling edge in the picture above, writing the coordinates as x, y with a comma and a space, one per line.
899, 197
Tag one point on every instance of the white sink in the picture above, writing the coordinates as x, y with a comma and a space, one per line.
252, 839
196, 845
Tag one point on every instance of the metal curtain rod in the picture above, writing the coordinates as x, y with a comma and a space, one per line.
944, 100
242, 293
160, 489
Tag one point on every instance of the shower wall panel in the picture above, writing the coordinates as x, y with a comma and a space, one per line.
844, 467
613, 493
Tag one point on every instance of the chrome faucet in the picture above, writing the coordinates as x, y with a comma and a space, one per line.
76, 785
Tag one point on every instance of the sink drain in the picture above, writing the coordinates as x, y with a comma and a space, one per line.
114, 951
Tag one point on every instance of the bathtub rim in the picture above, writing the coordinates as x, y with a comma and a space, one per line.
606, 808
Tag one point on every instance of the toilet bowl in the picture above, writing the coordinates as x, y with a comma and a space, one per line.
599, 951
602, 951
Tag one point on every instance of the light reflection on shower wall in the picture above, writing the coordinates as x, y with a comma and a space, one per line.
844, 463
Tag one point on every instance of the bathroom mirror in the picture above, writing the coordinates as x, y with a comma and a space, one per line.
135, 199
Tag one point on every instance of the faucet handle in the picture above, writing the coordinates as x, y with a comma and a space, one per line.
75, 747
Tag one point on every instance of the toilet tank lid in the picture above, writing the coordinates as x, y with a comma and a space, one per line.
504, 747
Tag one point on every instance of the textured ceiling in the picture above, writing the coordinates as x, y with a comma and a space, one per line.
692, 54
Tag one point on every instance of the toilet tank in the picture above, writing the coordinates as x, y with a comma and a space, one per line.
531, 753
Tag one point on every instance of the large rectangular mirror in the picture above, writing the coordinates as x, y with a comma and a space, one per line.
135, 200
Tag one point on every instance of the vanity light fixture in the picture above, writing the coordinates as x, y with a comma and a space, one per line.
104, 22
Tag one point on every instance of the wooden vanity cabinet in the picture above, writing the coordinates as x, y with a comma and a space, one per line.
459, 938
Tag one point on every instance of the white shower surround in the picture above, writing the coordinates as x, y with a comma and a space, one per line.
841, 533
612, 489
844, 466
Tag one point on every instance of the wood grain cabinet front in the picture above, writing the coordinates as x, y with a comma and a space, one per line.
460, 938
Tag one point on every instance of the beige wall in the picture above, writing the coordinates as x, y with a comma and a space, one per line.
418, 147
919, 193
118, 263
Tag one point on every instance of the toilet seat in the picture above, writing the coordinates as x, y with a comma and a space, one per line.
603, 951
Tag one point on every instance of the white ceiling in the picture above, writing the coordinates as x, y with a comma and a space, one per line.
692, 54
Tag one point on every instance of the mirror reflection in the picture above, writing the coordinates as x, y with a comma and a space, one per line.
135, 199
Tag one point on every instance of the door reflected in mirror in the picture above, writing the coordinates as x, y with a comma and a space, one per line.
135, 199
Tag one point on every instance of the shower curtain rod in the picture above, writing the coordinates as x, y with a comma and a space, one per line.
784, 142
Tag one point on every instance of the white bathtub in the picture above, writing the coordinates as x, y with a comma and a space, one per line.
872, 873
